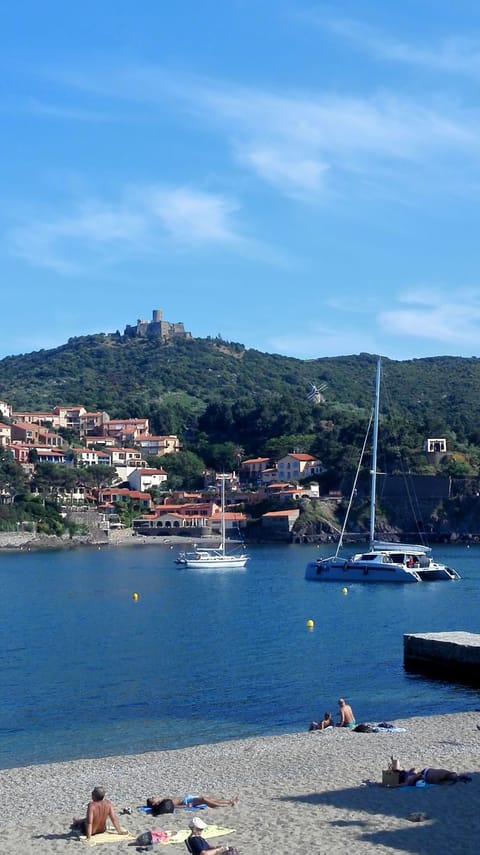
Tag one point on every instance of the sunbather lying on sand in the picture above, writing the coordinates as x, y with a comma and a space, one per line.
409, 778
169, 804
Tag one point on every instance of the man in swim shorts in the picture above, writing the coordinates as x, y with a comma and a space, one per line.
347, 718
98, 811
172, 803
431, 776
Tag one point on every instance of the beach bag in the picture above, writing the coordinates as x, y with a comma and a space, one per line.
144, 839
390, 778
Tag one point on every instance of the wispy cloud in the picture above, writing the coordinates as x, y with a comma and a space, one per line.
307, 144
432, 313
310, 145
194, 216
453, 55
297, 174
64, 113
145, 220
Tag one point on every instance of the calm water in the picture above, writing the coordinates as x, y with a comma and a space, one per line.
202, 656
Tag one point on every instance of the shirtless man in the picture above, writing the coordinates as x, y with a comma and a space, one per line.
347, 718
430, 776
98, 811
169, 804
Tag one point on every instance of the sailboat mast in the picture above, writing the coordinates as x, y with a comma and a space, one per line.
373, 472
222, 544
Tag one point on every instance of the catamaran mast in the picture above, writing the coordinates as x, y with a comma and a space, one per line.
373, 472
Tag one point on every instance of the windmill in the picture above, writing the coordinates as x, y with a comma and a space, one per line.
315, 394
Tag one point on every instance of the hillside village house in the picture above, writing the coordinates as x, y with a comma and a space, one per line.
295, 467
5, 410
36, 418
251, 470
125, 457
49, 455
280, 523
35, 434
103, 441
69, 417
91, 457
198, 515
5, 435
121, 429
147, 479
157, 446
92, 423
110, 495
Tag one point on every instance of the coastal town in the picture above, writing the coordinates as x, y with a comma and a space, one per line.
125, 447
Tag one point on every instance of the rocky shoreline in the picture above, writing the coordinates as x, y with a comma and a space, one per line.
28, 542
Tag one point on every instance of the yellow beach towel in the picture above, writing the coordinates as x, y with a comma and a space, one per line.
210, 831
107, 837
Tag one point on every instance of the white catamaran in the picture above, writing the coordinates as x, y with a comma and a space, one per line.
204, 558
382, 562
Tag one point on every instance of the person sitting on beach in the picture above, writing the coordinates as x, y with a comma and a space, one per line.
195, 843
98, 811
327, 721
172, 803
409, 777
347, 718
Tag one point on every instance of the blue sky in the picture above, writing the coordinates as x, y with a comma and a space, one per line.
300, 177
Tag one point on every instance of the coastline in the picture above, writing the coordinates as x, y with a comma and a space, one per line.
300, 792
28, 542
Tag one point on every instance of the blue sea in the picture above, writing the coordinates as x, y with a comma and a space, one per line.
87, 670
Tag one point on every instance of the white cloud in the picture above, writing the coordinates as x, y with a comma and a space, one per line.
297, 175
431, 314
144, 220
453, 55
304, 143
194, 216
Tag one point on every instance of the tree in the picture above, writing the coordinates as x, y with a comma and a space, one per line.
12, 477
184, 469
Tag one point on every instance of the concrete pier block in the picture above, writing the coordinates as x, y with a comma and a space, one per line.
451, 655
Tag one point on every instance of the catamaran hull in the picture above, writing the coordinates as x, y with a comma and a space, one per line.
348, 571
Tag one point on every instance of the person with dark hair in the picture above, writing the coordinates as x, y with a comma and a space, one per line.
172, 803
327, 721
427, 775
410, 777
98, 811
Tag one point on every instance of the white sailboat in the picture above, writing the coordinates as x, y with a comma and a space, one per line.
204, 558
381, 562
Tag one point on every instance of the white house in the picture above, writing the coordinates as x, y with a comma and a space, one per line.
146, 479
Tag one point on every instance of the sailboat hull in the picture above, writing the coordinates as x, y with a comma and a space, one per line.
214, 559
209, 561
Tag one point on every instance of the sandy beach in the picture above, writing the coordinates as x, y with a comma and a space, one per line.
297, 793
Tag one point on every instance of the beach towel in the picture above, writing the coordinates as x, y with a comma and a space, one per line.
106, 837
148, 809
210, 831
378, 729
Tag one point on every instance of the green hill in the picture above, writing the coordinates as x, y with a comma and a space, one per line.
225, 392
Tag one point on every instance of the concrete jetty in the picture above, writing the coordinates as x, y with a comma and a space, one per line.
450, 655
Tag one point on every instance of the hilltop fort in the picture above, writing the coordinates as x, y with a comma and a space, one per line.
157, 328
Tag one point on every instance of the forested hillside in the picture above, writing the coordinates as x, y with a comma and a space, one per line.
209, 390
